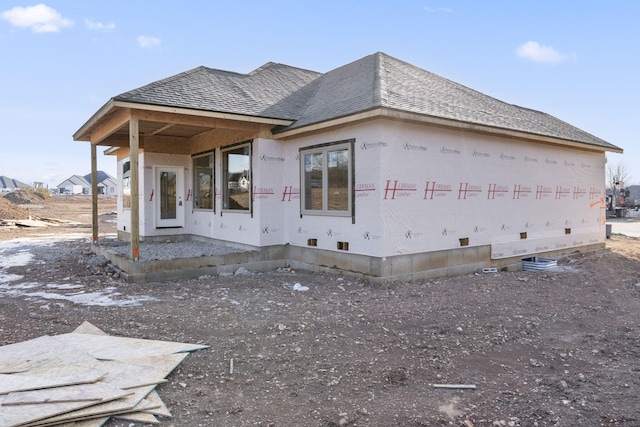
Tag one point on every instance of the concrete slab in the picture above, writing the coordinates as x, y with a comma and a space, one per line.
625, 226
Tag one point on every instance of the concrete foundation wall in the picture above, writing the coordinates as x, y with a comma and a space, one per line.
376, 269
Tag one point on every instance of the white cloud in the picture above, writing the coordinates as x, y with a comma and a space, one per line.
95, 25
536, 52
147, 42
40, 18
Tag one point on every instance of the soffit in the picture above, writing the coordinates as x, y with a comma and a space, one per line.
110, 126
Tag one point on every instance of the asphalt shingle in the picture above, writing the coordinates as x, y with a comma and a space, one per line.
375, 81
273, 90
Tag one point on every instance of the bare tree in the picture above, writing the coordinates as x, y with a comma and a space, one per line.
617, 175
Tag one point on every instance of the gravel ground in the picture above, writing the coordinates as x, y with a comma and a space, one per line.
556, 348
172, 249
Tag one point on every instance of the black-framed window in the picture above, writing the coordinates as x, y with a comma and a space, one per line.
203, 181
326, 173
236, 177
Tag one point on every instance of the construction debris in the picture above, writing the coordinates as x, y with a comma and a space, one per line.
455, 386
82, 378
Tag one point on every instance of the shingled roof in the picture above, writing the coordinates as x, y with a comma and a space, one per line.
273, 91
6, 182
375, 81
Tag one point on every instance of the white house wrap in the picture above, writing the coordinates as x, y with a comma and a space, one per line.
377, 168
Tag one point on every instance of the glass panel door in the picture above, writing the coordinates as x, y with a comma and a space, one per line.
170, 204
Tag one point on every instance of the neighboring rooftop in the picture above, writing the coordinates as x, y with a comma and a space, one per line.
85, 180
6, 182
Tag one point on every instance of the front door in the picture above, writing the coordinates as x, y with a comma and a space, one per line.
170, 201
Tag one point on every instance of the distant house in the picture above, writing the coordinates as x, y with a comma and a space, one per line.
107, 184
77, 184
377, 168
7, 185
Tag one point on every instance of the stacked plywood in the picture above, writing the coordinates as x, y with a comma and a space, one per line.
82, 378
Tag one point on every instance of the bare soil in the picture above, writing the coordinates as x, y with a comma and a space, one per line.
550, 348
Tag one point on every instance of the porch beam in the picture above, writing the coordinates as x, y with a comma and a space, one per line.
110, 126
134, 225
202, 113
187, 120
162, 129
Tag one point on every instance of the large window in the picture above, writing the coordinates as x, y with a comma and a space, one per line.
236, 162
126, 184
326, 173
203, 185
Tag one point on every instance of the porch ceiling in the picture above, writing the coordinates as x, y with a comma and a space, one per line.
110, 125
149, 128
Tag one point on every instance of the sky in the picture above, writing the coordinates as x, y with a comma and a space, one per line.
60, 61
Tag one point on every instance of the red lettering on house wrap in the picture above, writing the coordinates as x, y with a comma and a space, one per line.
261, 192
399, 189
496, 190
433, 189
521, 191
562, 192
290, 193
363, 190
468, 190
542, 191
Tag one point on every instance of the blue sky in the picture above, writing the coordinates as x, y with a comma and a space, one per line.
62, 60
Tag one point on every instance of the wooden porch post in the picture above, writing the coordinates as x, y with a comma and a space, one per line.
135, 197
94, 194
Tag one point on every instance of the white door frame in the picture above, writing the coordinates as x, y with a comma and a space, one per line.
177, 200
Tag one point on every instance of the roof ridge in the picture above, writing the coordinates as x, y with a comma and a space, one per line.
278, 64
381, 94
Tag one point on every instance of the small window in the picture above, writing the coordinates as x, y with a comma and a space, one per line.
236, 163
203, 186
126, 184
326, 174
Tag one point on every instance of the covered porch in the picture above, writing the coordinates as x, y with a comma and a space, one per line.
128, 129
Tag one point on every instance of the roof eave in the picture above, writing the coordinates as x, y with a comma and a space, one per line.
84, 133
386, 113
204, 113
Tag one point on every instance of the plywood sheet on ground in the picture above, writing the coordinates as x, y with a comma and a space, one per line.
131, 373
23, 415
88, 328
95, 422
61, 370
31, 223
56, 377
121, 406
106, 347
161, 409
99, 392
140, 417
42, 352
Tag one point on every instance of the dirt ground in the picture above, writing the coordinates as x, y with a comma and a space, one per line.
550, 348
